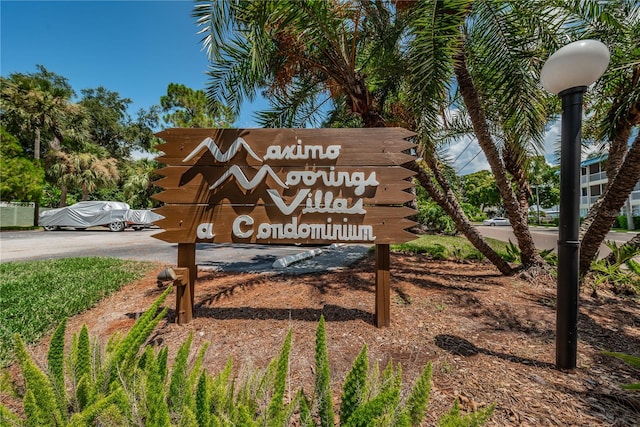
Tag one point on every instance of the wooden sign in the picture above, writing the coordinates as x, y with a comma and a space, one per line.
285, 185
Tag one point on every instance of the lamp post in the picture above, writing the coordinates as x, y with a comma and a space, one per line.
567, 73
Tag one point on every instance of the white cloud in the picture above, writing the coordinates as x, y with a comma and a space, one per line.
467, 156
552, 141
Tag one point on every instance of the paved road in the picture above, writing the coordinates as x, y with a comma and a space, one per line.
139, 245
547, 237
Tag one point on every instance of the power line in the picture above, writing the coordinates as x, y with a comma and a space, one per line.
467, 164
463, 150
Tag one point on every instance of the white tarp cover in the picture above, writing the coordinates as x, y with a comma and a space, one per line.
85, 214
141, 216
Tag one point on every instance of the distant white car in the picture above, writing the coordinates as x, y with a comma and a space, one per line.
115, 215
496, 221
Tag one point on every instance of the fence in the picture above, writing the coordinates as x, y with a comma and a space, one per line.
16, 214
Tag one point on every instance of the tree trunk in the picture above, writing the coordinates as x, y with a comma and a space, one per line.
85, 192
617, 151
63, 196
513, 165
606, 210
36, 144
449, 204
529, 255
36, 156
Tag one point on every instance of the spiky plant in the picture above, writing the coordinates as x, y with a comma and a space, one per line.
322, 395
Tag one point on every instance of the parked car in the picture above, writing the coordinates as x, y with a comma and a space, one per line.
498, 220
115, 215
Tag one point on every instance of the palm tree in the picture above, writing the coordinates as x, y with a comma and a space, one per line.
298, 52
92, 172
482, 57
305, 53
39, 104
61, 170
138, 183
616, 112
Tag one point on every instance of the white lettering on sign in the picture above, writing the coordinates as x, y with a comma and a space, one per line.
317, 191
213, 148
320, 202
205, 231
244, 182
333, 179
300, 151
239, 222
288, 210
327, 231
327, 204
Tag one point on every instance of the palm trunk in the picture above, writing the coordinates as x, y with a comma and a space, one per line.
606, 210
615, 158
36, 144
85, 192
360, 103
63, 196
518, 177
529, 255
450, 205
36, 156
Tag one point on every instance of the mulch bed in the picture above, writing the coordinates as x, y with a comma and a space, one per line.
489, 338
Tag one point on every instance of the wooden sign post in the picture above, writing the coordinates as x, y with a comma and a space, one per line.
287, 186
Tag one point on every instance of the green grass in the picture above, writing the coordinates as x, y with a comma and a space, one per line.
36, 295
445, 247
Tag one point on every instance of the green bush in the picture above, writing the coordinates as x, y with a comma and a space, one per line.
622, 274
129, 384
621, 222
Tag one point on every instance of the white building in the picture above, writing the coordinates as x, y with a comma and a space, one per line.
594, 181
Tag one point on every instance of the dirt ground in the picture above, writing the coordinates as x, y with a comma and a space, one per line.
490, 338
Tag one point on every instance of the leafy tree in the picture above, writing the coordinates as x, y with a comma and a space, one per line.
20, 178
480, 190
110, 124
92, 172
38, 105
189, 108
61, 171
141, 130
138, 177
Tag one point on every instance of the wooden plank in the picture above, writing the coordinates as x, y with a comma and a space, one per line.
185, 296
271, 136
394, 235
393, 194
380, 146
192, 185
383, 286
184, 304
349, 158
186, 176
264, 224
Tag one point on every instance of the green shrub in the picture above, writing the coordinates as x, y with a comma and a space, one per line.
623, 274
144, 392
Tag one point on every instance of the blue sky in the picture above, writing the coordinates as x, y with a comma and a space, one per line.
135, 48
